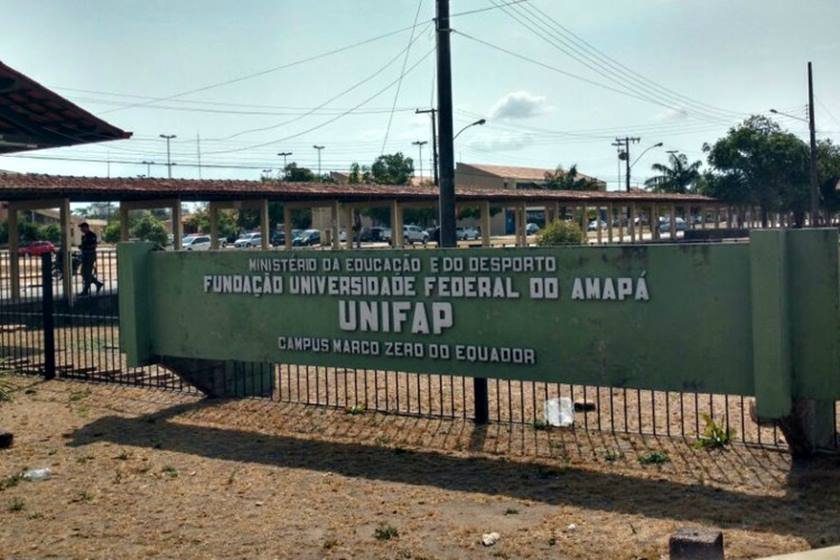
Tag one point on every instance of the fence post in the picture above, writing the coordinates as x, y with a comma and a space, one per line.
48, 321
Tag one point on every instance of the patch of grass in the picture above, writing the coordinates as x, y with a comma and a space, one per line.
613, 455
511, 511
552, 541
122, 456
714, 436
79, 395
6, 387
11, 481
36, 515
170, 471
355, 410
541, 425
386, 533
382, 440
82, 496
654, 458
15, 505
84, 459
330, 544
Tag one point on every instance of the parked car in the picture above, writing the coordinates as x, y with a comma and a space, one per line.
307, 238
248, 240
679, 223
593, 225
386, 234
196, 243
467, 233
415, 234
531, 228
36, 248
278, 237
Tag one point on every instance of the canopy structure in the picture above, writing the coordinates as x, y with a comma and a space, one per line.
33, 117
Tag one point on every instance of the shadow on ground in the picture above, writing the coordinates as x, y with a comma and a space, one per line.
805, 501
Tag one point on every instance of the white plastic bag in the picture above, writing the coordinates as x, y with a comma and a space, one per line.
559, 412
33, 475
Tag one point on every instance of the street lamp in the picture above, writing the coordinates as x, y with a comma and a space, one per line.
479, 122
420, 144
657, 145
148, 165
168, 137
285, 164
319, 148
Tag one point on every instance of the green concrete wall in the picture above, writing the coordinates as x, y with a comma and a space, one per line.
724, 318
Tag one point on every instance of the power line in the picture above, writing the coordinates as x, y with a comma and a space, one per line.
402, 73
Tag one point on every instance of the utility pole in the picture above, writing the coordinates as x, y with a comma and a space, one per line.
198, 152
815, 197
433, 113
420, 144
446, 196
319, 148
148, 165
625, 155
285, 164
168, 138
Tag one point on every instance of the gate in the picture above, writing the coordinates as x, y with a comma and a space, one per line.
41, 335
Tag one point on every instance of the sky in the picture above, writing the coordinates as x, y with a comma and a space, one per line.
556, 80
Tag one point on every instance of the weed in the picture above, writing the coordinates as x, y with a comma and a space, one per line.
613, 455
386, 533
84, 459
170, 471
552, 541
82, 496
10, 481
36, 515
511, 511
654, 458
15, 505
122, 456
330, 543
6, 388
382, 440
714, 436
356, 409
79, 395
232, 477
541, 425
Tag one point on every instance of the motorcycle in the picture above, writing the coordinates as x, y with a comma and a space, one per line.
58, 264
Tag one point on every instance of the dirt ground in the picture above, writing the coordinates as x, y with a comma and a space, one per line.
143, 473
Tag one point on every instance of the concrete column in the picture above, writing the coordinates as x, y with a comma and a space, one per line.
14, 258
335, 225
654, 222
346, 218
598, 228
176, 225
610, 222
703, 216
622, 211
519, 226
213, 211
265, 231
396, 224
66, 255
124, 215
584, 219
672, 218
631, 222
287, 227
484, 208
717, 217
557, 214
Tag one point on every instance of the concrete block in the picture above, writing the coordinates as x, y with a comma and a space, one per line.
696, 544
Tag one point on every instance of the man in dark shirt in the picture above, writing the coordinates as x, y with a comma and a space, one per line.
88, 248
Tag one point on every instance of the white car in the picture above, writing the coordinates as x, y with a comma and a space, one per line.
467, 233
196, 243
248, 240
415, 234
593, 225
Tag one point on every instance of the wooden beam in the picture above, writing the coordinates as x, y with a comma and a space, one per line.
265, 230
610, 211
287, 227
485, 223
598, 227
335, 224
66, 255
672, 213
177, 227
214, 226
631, 223
148, 204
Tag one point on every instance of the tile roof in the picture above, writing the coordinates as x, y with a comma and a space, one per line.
33, 117
85, 189
514, 172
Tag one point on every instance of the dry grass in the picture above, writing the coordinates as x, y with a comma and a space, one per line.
144, 473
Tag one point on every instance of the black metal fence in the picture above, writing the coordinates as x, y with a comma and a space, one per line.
40, 333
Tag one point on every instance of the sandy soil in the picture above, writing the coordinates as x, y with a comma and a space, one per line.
154, 474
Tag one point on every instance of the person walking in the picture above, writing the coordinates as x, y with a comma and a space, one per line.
88, 248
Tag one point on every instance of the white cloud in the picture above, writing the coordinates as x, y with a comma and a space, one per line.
502, 142
672, 114
519, 105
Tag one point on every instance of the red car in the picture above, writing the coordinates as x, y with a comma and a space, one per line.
36, 248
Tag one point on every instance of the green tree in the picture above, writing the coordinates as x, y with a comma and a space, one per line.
295, 174
392, 169
149, 228
571, 180
767, 165
680, 177
111, 233
560, 232
359, 174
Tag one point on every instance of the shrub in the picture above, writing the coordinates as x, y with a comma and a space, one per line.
385, 533
149, 228
560, 232
714, 436
654, 458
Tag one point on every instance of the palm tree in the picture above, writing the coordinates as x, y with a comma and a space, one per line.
680, 177
571, 180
